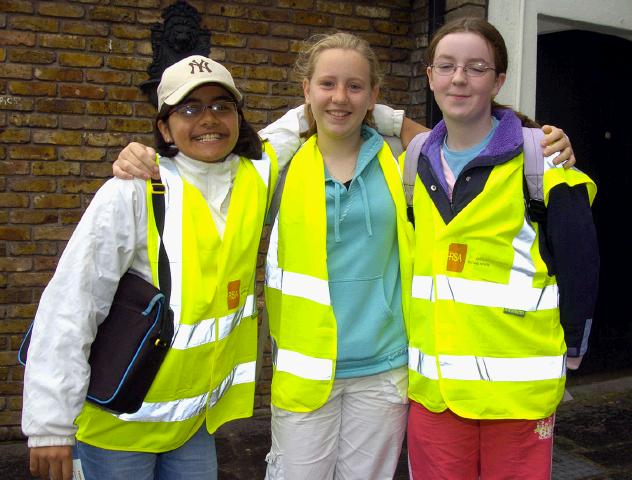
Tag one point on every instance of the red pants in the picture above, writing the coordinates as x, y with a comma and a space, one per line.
444, 446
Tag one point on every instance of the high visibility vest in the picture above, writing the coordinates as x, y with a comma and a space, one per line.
302, 322
208, 374
485, 334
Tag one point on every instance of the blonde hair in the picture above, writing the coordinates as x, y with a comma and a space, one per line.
317, 44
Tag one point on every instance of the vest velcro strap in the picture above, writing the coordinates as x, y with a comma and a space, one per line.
493, 369
189, 336
306, 286
303, 366
487, 294
185, 408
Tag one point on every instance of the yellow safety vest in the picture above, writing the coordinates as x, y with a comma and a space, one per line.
302, 323
485, 334
208, 374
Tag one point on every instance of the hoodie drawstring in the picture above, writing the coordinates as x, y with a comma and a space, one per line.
337, 212
365, 204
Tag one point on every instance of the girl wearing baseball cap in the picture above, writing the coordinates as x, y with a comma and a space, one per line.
217, 177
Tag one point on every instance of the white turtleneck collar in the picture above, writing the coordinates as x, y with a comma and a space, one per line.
214, 180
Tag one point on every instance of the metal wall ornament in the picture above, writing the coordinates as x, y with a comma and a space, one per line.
179, 36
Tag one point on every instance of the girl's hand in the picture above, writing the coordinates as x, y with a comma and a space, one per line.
136, 161
556, 141
51, 462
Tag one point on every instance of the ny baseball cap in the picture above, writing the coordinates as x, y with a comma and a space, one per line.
189, 73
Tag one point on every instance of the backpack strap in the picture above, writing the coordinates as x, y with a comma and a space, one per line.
411, 160
534, 174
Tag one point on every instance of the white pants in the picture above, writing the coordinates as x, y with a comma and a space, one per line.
356, 435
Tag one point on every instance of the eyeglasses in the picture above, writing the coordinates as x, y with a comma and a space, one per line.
476, 69
193, 110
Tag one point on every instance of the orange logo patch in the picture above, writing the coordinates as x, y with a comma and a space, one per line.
456, 257
233, 294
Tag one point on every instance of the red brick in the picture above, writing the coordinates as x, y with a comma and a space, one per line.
14, 233
28, 184
98, 170
36, 24
338, 8
289, 30
59, 74
312, 18
16, 103
13, 37
109, 108
111, 14
266, 102
82, 122
276, 44
55, 9
53, 233
352, 23
32, 217
144, 110
56, 168
106, 139
82, 154
21, 6
107, 45
129, 125
56, 201
33, 88
45, 264
71, 42
9, 70
128, 63
33, 120
71, 217
29, 279
32, 152
13, 200
11, 135
80, 186
14, 168
298, 4
86, 28
372, 12
245, 26
57, 105
81, 91
228, 40
133, 94
9, 264
33, 248
57, 137
131, 32
270, 15
80, 60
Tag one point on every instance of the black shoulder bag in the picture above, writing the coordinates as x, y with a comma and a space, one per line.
134, 338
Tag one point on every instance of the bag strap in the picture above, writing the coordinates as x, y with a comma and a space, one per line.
276, 197
411, 160
164, 272
534, 174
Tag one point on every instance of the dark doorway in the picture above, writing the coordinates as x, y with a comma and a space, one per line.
583, 86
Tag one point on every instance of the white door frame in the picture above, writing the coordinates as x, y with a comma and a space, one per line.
520, 21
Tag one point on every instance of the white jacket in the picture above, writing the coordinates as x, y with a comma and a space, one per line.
110, 239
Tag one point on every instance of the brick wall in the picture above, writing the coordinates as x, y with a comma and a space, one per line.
69, 101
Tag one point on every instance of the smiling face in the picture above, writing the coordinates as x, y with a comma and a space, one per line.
211, 136
339, 93
462, 98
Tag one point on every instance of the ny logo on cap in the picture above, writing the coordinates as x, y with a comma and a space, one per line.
202, 65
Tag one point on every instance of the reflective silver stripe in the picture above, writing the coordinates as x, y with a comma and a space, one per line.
263, 168
303, 366
274, 275
422, 287
243, 373
185, 408
523, 268
423, 364
306, 286
502, 369
488, 294
494, 369
189, 336
292, 283
172, 234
